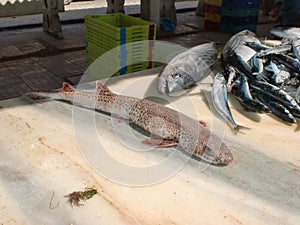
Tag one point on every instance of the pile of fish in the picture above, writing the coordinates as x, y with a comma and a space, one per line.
264, 78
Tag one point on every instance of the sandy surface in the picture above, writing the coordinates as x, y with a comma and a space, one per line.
41, 161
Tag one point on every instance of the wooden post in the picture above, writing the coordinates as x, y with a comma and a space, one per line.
266, 6
145, 9
115, 6
51, 22
200, 8
150, 9
168, 10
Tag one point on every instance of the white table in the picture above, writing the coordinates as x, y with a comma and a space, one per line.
40, 162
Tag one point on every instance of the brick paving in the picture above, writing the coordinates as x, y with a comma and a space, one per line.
32, 60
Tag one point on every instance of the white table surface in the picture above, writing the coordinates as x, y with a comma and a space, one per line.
39, 157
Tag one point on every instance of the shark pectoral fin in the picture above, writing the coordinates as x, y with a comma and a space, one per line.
102, 89
160, 143
68, 87
202, 122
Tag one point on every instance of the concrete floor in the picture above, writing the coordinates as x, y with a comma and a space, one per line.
32, 60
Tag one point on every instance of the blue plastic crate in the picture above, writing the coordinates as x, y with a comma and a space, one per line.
239, 20
238, 12
233, 29
240, 3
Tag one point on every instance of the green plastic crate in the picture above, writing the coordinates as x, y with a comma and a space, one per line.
119, 26
102, 69
214, 2
107, 32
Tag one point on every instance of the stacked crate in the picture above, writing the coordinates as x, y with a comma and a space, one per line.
235, 15
212, 14
116, 37
238, 15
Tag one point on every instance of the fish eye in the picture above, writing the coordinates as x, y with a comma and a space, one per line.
176, 75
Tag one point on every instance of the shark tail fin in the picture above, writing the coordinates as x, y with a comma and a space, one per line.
36, 96
49, 95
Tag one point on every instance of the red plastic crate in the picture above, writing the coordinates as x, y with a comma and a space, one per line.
208, 8
208, 25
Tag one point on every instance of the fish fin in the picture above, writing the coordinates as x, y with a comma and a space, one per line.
203, 123
68, 87
102, 88
36, 96
239, 128
159, 142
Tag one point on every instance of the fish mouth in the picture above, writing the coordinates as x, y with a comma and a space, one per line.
162, 85
222, 157
167, 86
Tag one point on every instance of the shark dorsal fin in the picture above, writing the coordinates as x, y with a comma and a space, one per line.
67, 87
102, 89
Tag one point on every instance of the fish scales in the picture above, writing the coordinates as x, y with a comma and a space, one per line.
174, 123
220, 100
187, 69
296, 47
154, 118
166, 123
236, 45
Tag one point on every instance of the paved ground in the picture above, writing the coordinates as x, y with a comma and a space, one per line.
31, 59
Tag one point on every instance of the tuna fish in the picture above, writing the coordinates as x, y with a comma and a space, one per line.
237, 45
188, 68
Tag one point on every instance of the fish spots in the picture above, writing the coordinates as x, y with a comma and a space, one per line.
154, 118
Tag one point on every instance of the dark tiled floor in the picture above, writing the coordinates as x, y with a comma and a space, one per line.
31, 59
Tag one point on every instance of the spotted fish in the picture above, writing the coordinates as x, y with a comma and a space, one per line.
174, 128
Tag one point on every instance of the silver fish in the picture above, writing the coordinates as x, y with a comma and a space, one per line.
280, 76
231, 77
296, 47
274, 50
245, 97
257, 46
175, 128
286, 60
298, 95
277, 109
188, 68
257, 63
220, 100
237, 45
286, 32
276, 94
